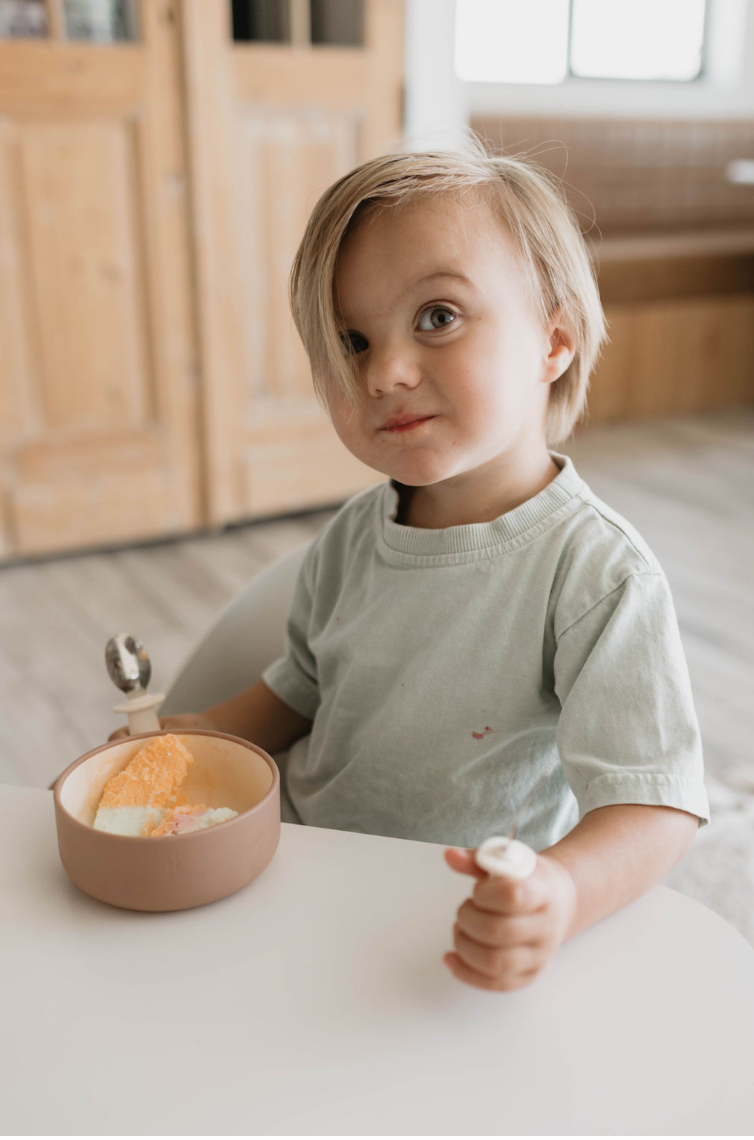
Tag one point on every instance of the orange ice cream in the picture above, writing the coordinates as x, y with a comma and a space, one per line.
145, 798
152, 777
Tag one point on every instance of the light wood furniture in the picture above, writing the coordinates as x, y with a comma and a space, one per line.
637, 176
315, 1001
152, 194
680, 312
99, 419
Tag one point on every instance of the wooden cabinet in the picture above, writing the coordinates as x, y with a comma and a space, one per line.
675, 357
680, 312
152, 195
98, 359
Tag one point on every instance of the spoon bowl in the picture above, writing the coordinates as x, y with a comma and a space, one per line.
127, 663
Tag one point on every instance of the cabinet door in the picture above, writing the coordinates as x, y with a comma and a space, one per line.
98, 371
273, 121
675, 357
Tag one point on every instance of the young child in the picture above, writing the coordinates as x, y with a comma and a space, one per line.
481, 613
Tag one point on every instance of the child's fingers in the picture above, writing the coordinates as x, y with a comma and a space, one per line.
461, 859
465, 973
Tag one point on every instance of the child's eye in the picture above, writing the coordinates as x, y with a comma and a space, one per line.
439, 317
354, 342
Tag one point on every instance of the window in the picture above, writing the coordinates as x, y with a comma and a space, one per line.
547, 41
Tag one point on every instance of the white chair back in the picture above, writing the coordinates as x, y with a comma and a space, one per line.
246, 638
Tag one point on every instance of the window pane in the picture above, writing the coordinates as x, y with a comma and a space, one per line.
646, 39
267, 20
338, 22
100, 21
23, 18
509, 41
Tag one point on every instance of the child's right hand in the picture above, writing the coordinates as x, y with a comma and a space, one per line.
183, 722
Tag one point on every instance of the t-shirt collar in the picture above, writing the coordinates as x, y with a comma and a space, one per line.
546, 505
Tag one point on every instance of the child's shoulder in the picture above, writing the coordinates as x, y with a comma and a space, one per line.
600, 551
358, 517
600, 531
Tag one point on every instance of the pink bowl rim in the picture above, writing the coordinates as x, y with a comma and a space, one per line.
58, 785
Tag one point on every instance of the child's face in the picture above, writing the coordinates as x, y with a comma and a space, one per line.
470, 355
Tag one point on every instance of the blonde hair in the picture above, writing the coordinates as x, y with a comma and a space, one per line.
523, 195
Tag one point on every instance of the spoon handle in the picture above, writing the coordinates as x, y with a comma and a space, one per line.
142, 712
506, 858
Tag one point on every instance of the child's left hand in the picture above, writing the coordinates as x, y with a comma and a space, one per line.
507, 932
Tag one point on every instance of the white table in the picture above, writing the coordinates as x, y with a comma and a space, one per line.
315, 1001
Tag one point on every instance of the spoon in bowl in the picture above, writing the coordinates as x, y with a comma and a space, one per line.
130, 669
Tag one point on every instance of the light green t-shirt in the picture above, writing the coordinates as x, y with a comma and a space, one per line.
446, 670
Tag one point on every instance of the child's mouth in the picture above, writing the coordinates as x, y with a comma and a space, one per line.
409, 425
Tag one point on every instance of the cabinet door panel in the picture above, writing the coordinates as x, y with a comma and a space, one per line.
98, 369
273, 125
675, 357
85, 227
286, 158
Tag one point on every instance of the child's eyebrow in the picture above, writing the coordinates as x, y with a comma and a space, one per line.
434, 276
441, 273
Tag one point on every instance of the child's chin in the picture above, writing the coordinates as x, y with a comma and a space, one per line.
410, 470
413, 475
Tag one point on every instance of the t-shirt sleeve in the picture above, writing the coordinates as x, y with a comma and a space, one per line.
628, 732
293, 677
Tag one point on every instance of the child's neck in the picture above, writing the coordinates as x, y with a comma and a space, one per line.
476, 497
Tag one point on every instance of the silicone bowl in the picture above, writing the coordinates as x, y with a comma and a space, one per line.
177, 871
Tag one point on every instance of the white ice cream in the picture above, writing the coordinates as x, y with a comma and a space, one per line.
128, 820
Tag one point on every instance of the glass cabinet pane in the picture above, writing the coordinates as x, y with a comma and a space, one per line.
267, 20
339, 22
23, 18
101, 21
331, 22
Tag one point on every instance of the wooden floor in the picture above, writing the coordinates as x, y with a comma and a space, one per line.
687, 484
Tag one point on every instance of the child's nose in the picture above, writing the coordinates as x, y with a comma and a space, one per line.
390, 369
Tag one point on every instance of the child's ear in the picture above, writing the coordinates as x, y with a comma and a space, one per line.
562, 348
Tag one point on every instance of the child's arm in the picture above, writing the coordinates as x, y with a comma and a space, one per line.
618, 852
507, 932
256, 714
